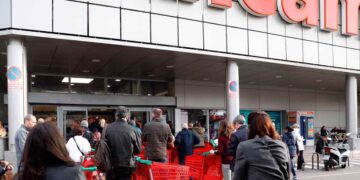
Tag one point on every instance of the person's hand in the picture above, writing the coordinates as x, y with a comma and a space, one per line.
9, 167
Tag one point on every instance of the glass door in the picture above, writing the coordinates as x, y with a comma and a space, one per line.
68, 117
140, 115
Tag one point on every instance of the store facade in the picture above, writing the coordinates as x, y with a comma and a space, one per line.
192, 58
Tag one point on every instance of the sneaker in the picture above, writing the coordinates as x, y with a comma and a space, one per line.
295, 178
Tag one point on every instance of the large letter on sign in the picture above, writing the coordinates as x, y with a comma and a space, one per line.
350, 16
329, 15
294, 11
259, 7
223, 4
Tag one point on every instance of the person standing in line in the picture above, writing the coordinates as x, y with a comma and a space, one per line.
290, 141
225, 132
300, 146
324, 131
78, 146
240, 135
87, 134
199, 132
45, 156
21, 135
264, 155
156, 135
3, 132
185, 140
123, 145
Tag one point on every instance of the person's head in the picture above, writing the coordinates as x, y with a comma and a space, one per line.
288, 129
238, 121
29, 121
122, 113
132, 123
84, 124
44, 147
157, 113
260, 125
191, 125
197, 124
295, 126
225, 128
78, 131
184, 126
323, 128
40, 120
102, 122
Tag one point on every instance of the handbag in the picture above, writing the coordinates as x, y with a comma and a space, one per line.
78, 146
102, 154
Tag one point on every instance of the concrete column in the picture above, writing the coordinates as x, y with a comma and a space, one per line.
232, 90
17, 87
351, 105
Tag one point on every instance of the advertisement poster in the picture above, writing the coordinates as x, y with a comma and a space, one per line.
274, 115
310, 134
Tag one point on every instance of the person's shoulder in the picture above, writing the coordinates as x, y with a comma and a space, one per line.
70, 171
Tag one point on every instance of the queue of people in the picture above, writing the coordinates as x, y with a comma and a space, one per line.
43, 153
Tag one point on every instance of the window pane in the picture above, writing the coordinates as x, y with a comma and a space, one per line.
121, 87
48, 84
96, 86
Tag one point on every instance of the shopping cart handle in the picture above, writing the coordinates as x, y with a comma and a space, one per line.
142, 161
206, 153
91, 169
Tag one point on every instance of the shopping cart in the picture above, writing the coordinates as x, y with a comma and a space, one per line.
148, 170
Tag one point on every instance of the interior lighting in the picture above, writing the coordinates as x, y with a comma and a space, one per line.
206, 79
278, 76
318, 80
95, 60
252, 82
33, 76
117, 80
170, 66
78, 80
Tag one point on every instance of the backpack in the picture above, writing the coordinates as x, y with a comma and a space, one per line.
102, 155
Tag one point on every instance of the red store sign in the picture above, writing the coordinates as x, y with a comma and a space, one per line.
304, 11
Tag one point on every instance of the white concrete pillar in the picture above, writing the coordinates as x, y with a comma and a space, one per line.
351, 105
232, 89
17, 87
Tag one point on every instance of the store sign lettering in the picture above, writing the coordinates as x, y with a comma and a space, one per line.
303, 11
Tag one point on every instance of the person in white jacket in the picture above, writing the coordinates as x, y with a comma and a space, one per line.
78, 146
300, 146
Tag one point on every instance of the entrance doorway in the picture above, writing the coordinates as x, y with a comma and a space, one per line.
68, 116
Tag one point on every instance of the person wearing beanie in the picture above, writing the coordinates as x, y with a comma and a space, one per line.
87, 134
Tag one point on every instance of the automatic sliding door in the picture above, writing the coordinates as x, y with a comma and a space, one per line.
68, 117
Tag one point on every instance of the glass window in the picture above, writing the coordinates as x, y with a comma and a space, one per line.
149, 88
215, 117
96, 86
46, 112
121, 86
41, 83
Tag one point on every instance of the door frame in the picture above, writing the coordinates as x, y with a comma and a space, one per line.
60, 115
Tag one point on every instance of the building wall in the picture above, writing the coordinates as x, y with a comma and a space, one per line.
186, 25
329, 107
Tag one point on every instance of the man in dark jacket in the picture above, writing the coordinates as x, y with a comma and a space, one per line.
156, 135
87, 133
185, 140
123, 144
239, 136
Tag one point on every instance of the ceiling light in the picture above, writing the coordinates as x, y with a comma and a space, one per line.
319, 80
206, 79
95, 60
32, 83
117, 80
72, 84
78, 80
33, 76
252, 82
85, 71
170, 66
108, 86
278, 76
151, 75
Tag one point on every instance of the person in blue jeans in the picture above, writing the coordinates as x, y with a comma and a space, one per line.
290, 141
185, 140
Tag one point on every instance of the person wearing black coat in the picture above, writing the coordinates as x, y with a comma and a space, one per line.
185, 140
240, 135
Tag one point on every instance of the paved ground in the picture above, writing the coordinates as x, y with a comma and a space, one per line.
349, 173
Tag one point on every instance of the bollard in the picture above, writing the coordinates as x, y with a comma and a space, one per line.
317, 159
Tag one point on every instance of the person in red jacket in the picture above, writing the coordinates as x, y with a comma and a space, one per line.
225, 132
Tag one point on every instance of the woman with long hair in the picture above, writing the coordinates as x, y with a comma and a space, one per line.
224, 133
264, 155
45, 156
